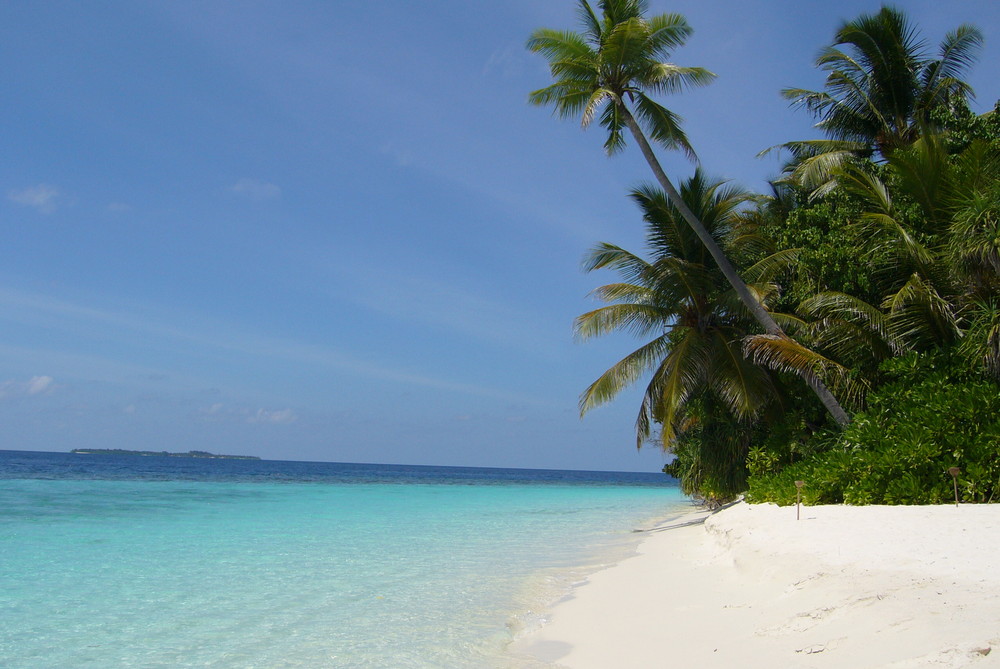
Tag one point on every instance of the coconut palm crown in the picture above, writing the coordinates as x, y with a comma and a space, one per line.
677, 300
880, 91
881, 87
620, 56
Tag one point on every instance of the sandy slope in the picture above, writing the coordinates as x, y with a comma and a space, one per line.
849, 587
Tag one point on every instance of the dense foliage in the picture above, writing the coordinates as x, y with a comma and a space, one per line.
877, 255
931, 414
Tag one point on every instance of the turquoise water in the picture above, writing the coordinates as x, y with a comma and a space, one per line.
431, 568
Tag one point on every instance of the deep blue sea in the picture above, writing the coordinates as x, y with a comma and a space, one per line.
129, 561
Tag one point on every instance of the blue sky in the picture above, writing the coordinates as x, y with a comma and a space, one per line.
332, 231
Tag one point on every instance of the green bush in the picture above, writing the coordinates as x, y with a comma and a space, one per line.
932, 415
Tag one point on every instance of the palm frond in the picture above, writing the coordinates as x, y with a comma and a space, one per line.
974, 239
613, 121
625, 372
831, 310
924, 173
852, 344
598, 98
731, 307
677, 376
903, 244
812, 100
982, 339
768, 269
669, 78
783, 354
678, 281
868, 187
820, 170
558, 44
639, 320
667, 234
625, 292
919, 315
626, 263
567, 100
958, 52
789, 323
880, 219
744, 387
616, 11
667, 32
591, 24
662, 125
624, 50
814, 147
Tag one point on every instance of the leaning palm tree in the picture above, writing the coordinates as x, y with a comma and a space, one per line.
880, 91
605, 73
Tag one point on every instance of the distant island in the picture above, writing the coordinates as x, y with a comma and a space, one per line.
189, 454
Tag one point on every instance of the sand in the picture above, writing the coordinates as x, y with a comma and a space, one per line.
752, 587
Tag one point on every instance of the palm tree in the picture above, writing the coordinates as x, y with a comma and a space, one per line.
676, 298
605, 72
939, 225
881, 89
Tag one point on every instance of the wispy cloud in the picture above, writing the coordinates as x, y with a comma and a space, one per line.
214, 410
509, 62
220, 412
256, 190
42, 197
50, 312
280, 417
36, 385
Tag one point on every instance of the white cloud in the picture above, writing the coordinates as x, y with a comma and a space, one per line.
216, 412
36, 385
42, 197
256, 190
264, 416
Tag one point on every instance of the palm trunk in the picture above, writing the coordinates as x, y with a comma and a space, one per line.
741, 288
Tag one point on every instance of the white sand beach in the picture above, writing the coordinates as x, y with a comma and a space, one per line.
844, 587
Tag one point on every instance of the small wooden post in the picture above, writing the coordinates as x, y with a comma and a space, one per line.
798, 499
954, 471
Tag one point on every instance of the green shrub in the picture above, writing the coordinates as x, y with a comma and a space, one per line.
932, 415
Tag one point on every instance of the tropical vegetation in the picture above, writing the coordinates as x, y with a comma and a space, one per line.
882, 90
843, 329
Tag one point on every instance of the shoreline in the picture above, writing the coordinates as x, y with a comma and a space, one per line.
845, 587
553, 585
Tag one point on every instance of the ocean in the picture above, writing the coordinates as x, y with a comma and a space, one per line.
129, 561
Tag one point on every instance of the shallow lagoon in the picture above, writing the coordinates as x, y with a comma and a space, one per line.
172, 562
